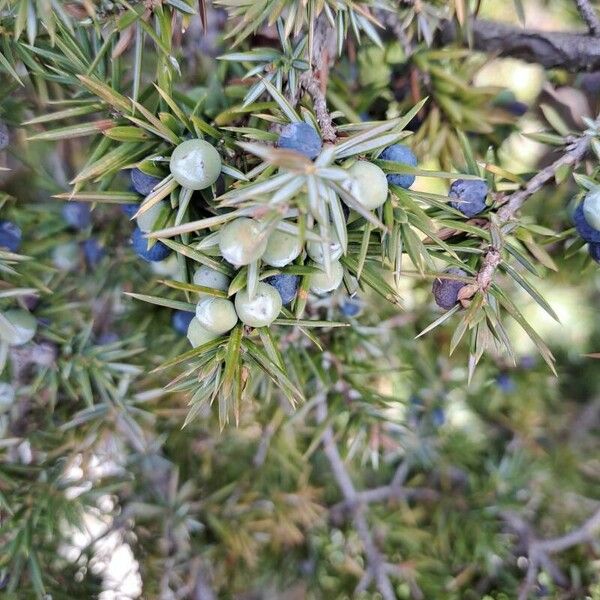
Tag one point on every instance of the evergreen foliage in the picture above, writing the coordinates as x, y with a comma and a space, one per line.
275, 302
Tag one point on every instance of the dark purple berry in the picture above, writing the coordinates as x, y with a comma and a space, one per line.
286, 285
142, 183
139, 243
594, 250
10, 236
180, 321
400, 153
302, 138
93, 251
469, 196
77, 214
584, 229
445, 291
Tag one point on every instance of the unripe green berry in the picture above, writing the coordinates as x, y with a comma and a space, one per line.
282, 249
591, 207
195, 164
25, 326
66, 257
216, 315
147, 219
369, 184
242, 241
7, 396
211, 278
262, 309
315, 250
198, 335
321, 283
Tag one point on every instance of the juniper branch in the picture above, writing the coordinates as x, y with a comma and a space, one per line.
376, 561
314, 81
512, 203
588, 14
552, 49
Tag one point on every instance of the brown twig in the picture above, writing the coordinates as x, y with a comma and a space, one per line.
588, 14
568, 50
539, 550
376, 560
314, 81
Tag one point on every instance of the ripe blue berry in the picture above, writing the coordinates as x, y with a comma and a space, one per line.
445, 291
469, 195
106, 338
286, 285
400, 153
142, 183
438, 416
10, 236
584, 229
93, 251
139, 243
351, 307
505, 383
77, 214
594, 250
180, 321
4, 136
195, 164
130, 209
302, 138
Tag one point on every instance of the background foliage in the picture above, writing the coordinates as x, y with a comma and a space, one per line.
403, 452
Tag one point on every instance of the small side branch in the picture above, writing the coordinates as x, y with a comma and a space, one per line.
588, 14
314, 81
375, 559
511, 204
552, 49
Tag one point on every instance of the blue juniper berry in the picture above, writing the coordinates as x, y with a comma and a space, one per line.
302, 138
286, 285
139, 243
10, 236
400, 153
469, 196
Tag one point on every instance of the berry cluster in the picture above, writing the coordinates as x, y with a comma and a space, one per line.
259, 243
469, 197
